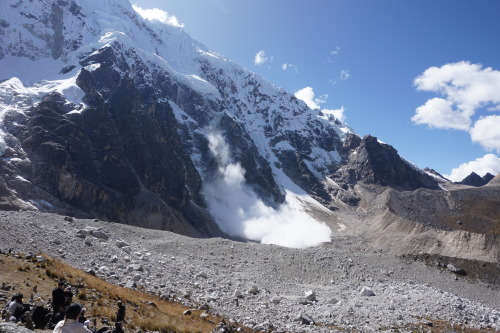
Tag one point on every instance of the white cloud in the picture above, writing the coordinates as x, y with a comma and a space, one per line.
438, 113
488, 163
344, 74
307, 95
156, 14
286, 66
338, 113
261, 58
486, 131
464, 88
239, 212
336, 51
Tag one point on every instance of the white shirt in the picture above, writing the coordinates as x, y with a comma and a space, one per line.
70, 326
13, 306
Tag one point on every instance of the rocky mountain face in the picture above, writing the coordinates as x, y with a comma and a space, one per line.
106, 115
475, 180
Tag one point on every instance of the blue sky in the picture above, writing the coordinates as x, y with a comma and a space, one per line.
365, 56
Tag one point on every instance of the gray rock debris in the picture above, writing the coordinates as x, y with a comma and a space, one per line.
214, 274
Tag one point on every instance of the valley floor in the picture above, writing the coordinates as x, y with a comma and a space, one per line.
265, 286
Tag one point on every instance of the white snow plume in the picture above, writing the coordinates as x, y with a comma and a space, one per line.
240, 212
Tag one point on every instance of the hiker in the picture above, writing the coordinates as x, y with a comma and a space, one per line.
120, 314
40, 315
70, 324
58, 298
68, 297
16, 308
82, 319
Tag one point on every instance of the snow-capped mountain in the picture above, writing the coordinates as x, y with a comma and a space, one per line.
109, 115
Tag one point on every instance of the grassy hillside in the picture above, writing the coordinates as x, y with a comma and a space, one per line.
144, 312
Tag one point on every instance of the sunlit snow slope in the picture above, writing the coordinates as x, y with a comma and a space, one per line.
276, 150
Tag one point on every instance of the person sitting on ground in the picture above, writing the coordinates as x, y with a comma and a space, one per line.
40, 315
120, 314
70, 324
82, 319
16, 308
68, 297
5, 311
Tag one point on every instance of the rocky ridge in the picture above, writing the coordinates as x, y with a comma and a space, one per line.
475, 180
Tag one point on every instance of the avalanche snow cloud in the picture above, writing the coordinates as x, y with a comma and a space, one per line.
240, 212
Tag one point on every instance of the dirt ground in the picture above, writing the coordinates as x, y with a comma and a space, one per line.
23, 276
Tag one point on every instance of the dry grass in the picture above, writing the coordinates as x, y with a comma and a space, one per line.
144, 312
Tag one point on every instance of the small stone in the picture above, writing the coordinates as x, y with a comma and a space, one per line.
121, 243
253, 290
310, 295
276, 300
367, 291
305, 319
455, 269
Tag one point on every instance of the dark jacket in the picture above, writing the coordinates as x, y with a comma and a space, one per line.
120, 314
57, 299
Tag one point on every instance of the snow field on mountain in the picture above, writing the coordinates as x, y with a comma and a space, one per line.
254, 103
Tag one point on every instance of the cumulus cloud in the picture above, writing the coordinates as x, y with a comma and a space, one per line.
156, 14
439, 113
261, 58
239, 211
307, 95
337, 113
486, 131
464, 88
286, 66
488, 163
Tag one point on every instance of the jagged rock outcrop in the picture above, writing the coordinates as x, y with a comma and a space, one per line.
372, 162
488, 177
475, 180
120, 159
439, 177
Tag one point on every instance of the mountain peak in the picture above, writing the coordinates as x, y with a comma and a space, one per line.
474, 180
